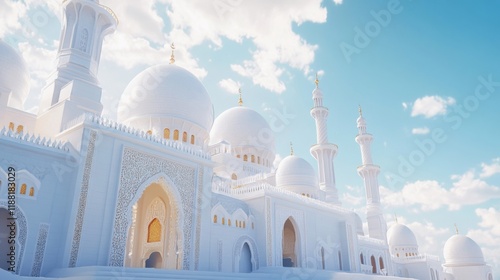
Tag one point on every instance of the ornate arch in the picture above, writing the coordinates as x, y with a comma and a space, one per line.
22, 233
139, 170
238, 246
175, 202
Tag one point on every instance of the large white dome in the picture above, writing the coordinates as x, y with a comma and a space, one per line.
400, 235
243, 127
14, 77
460, 250
166, 91
295, 171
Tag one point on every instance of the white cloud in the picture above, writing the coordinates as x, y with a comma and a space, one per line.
353, 197
405, 105
430, 106
430, 195
420, 130
489, 170
230, 85
267, 24
488, 236
10, 13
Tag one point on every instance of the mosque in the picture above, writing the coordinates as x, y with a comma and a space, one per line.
169, 191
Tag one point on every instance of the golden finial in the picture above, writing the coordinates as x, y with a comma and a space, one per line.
456, 229
360, 111
240, 101
172, 58
291, 148
316, 81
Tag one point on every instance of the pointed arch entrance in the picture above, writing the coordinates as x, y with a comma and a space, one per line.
155, 234
290, 244
245, 259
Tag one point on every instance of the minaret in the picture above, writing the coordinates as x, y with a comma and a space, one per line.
377, 226
323, 151
73, 89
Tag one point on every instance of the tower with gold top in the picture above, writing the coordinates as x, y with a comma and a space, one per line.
377, 226
323, 151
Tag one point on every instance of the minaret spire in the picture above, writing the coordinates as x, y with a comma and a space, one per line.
324, 152
172, 57
240, 101
377, 226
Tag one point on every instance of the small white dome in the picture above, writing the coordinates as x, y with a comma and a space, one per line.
243, 127
400, 235
460, 250
295, 171
166, 91
14, 77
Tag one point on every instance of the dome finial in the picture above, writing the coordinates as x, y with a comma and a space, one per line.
360, 111
456, 229
291, 148
316, 81
172, 57
396, 217
240, 101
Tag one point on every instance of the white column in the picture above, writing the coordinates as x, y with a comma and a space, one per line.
324, 152
377, 226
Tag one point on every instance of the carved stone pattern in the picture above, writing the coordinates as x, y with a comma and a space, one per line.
269, 233
138, 167
83, 200
219, 252
156, 210
351, 247
253, 249
22, 233
198, 218
41, 243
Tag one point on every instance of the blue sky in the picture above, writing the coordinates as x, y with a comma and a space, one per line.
423, 72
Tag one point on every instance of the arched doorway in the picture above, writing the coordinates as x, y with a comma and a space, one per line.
154, 261
374, 264
322, 258
290, 245
4, 236
245, 259
153, 233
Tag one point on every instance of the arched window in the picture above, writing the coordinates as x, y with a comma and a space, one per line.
490, 277
229, 222
234, 176
323, 258
433, 277
244, 226
32, 191
252, 226
11, 126
192, 139
20, 129
253, 158
245, 158
184, 137
381, 263
258, 160
340, 260
176, 135
154, 231
215, 219
362, 259
374, 264
23, 189
149, 132
166, 133
223, 221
